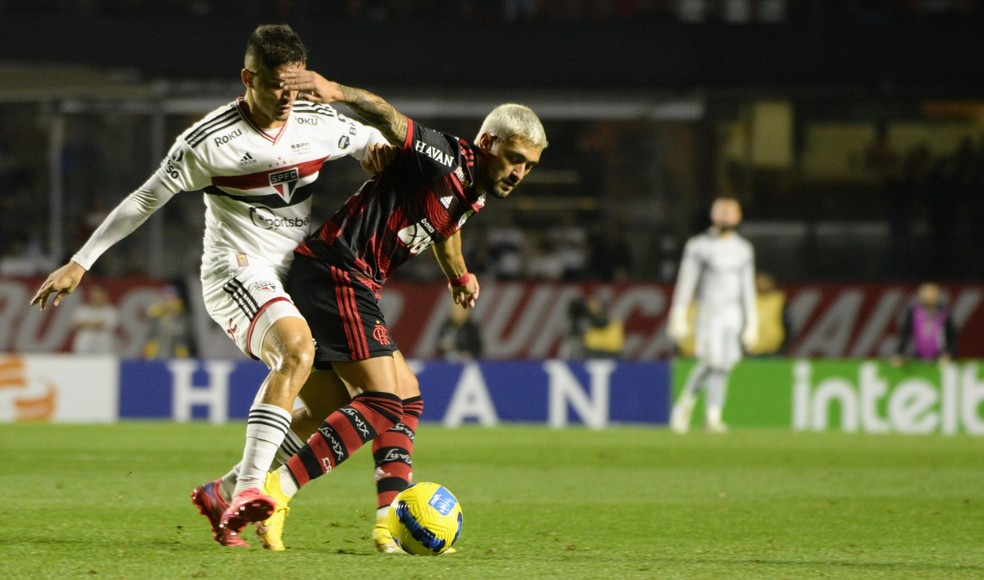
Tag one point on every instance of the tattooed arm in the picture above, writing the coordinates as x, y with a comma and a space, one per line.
372, 108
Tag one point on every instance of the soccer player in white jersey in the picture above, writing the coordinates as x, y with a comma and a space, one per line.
718, 271
255, 159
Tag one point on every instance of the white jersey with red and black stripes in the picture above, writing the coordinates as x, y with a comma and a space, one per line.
257, 182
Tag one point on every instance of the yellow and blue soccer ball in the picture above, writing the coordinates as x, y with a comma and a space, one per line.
425, 519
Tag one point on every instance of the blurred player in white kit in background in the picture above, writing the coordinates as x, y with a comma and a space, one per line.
719, 267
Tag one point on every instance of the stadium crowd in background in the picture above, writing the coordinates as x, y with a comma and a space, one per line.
593, 331
460, 338
95, 323
775, 328
591, 11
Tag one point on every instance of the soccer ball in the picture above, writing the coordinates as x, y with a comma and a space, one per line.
425, 519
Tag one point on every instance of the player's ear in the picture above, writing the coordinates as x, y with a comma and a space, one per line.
247, 76
486, 140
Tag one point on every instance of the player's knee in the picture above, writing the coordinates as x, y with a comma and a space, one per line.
300, 352
292, 352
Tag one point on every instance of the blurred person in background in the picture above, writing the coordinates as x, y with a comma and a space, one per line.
506, 244
168, 328
604, 336
717, 271
570, 242
459, 338
95, 323
775, 328
592, 331
928, 332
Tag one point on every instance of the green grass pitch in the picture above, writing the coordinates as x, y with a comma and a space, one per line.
629, 502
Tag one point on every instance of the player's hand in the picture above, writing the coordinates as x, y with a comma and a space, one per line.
678, 328
750, 336
466, 295
311, 86
379, 157
61, 283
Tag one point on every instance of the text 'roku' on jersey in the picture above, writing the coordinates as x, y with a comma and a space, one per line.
423, 197
257, 182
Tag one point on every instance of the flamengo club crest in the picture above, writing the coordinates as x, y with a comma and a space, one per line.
380, 335
285, 182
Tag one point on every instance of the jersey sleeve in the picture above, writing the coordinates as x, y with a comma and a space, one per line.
355, 138
429, 153
124, 219
686, 284
182, 169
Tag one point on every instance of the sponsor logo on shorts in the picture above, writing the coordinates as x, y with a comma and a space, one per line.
380, 335
264, 286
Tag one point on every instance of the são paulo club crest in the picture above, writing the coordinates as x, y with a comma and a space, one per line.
285, 182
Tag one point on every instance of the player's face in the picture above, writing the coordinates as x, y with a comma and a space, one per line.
929, 295
269, 103
507, 163
726, 214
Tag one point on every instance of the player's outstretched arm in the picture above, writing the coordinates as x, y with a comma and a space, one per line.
61, 283
463, 285
123, 220
372, 108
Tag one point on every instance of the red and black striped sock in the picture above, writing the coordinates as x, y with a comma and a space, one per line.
393, 453
343, 432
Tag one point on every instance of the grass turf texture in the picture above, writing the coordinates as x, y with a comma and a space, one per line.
112, 501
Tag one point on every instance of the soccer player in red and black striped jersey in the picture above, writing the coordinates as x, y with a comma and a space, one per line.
420, 201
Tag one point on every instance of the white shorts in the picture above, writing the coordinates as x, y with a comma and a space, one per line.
718, 338
246, 301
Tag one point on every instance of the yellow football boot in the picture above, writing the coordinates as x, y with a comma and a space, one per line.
382, 539
271, 530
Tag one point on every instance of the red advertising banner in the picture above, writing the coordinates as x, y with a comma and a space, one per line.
526, 320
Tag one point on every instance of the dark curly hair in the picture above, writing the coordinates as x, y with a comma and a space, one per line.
274, 45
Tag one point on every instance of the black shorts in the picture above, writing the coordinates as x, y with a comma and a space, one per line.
342, 311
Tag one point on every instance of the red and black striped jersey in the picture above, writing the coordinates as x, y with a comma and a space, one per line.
423, 197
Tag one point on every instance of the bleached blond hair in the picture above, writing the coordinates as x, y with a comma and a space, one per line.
513, 120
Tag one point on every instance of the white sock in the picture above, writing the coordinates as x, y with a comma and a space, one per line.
287, 483
714, 415
265, 431
291, 445
228, 485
